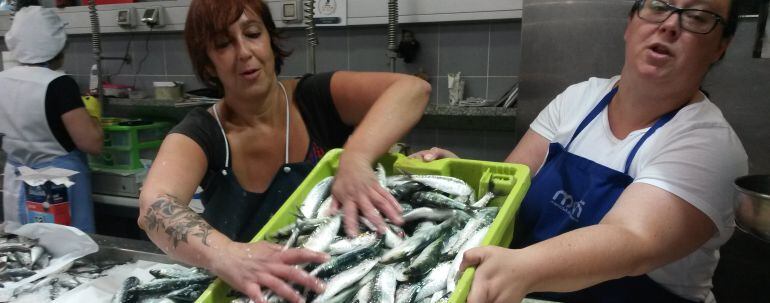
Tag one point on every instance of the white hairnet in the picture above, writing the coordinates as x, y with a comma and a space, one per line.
36, 35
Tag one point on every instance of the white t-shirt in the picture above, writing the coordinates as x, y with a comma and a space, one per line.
695, 156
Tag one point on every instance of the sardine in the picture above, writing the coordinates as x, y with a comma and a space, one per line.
346, 261
437, 200
324, 211
67, 281
344, 296
454, 272
14, 247
323, 236
303, 226
15, 273
188, 294
392, 239
384, 285
484, 218
381, 177
404, 191
35, 253
174, 272
427, 213
123, 295
43, 261
347, 245
435, 281
449, 185
364, 294
396, 180
345, 279
484, 200
405, 293
426, 260
160, 286
413, 245
313, 200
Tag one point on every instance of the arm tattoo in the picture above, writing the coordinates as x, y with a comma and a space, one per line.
177, 221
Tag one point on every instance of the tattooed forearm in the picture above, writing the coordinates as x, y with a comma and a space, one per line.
177, 221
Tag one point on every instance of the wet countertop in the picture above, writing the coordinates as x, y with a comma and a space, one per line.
469, 118
124, 243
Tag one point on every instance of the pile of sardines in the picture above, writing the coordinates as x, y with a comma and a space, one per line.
171, 285
418, 262
20, 257
80, 272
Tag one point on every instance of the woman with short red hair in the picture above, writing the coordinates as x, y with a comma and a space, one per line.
251, 149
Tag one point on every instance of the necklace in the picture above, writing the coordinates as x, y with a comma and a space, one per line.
286, 169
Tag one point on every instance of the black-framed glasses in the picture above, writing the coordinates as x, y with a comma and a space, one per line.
690, 19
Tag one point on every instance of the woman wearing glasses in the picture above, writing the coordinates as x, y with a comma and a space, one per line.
633, 192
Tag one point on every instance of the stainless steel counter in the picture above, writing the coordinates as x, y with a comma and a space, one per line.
124, 250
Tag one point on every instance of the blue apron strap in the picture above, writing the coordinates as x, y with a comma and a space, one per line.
595, 112
658, 124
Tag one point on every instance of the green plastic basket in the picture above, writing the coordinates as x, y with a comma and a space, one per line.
512, 179
125, 145
132, 135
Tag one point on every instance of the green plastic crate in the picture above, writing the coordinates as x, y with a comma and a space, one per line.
124, 157
510, 178
131, 136
125, 145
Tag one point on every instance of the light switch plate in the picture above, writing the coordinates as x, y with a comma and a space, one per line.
331, 12
291, 11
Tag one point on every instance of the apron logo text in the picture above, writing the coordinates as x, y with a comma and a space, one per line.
566, 203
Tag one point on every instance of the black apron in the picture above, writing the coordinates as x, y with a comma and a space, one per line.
240, 214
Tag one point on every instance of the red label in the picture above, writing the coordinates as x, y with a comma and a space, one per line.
58, 213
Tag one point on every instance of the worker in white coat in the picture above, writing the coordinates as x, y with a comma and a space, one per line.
43, 117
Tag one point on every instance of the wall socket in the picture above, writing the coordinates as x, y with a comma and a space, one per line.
127, 17
153, 16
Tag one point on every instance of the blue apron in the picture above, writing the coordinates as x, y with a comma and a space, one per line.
81, 205
571, 192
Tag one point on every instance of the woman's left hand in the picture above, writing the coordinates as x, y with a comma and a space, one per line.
356, 190
497, 278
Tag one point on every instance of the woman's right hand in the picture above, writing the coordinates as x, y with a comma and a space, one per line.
434, 153
247, 267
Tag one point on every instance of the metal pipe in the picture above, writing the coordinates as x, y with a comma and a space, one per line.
392, 28
96, 47
312, 39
